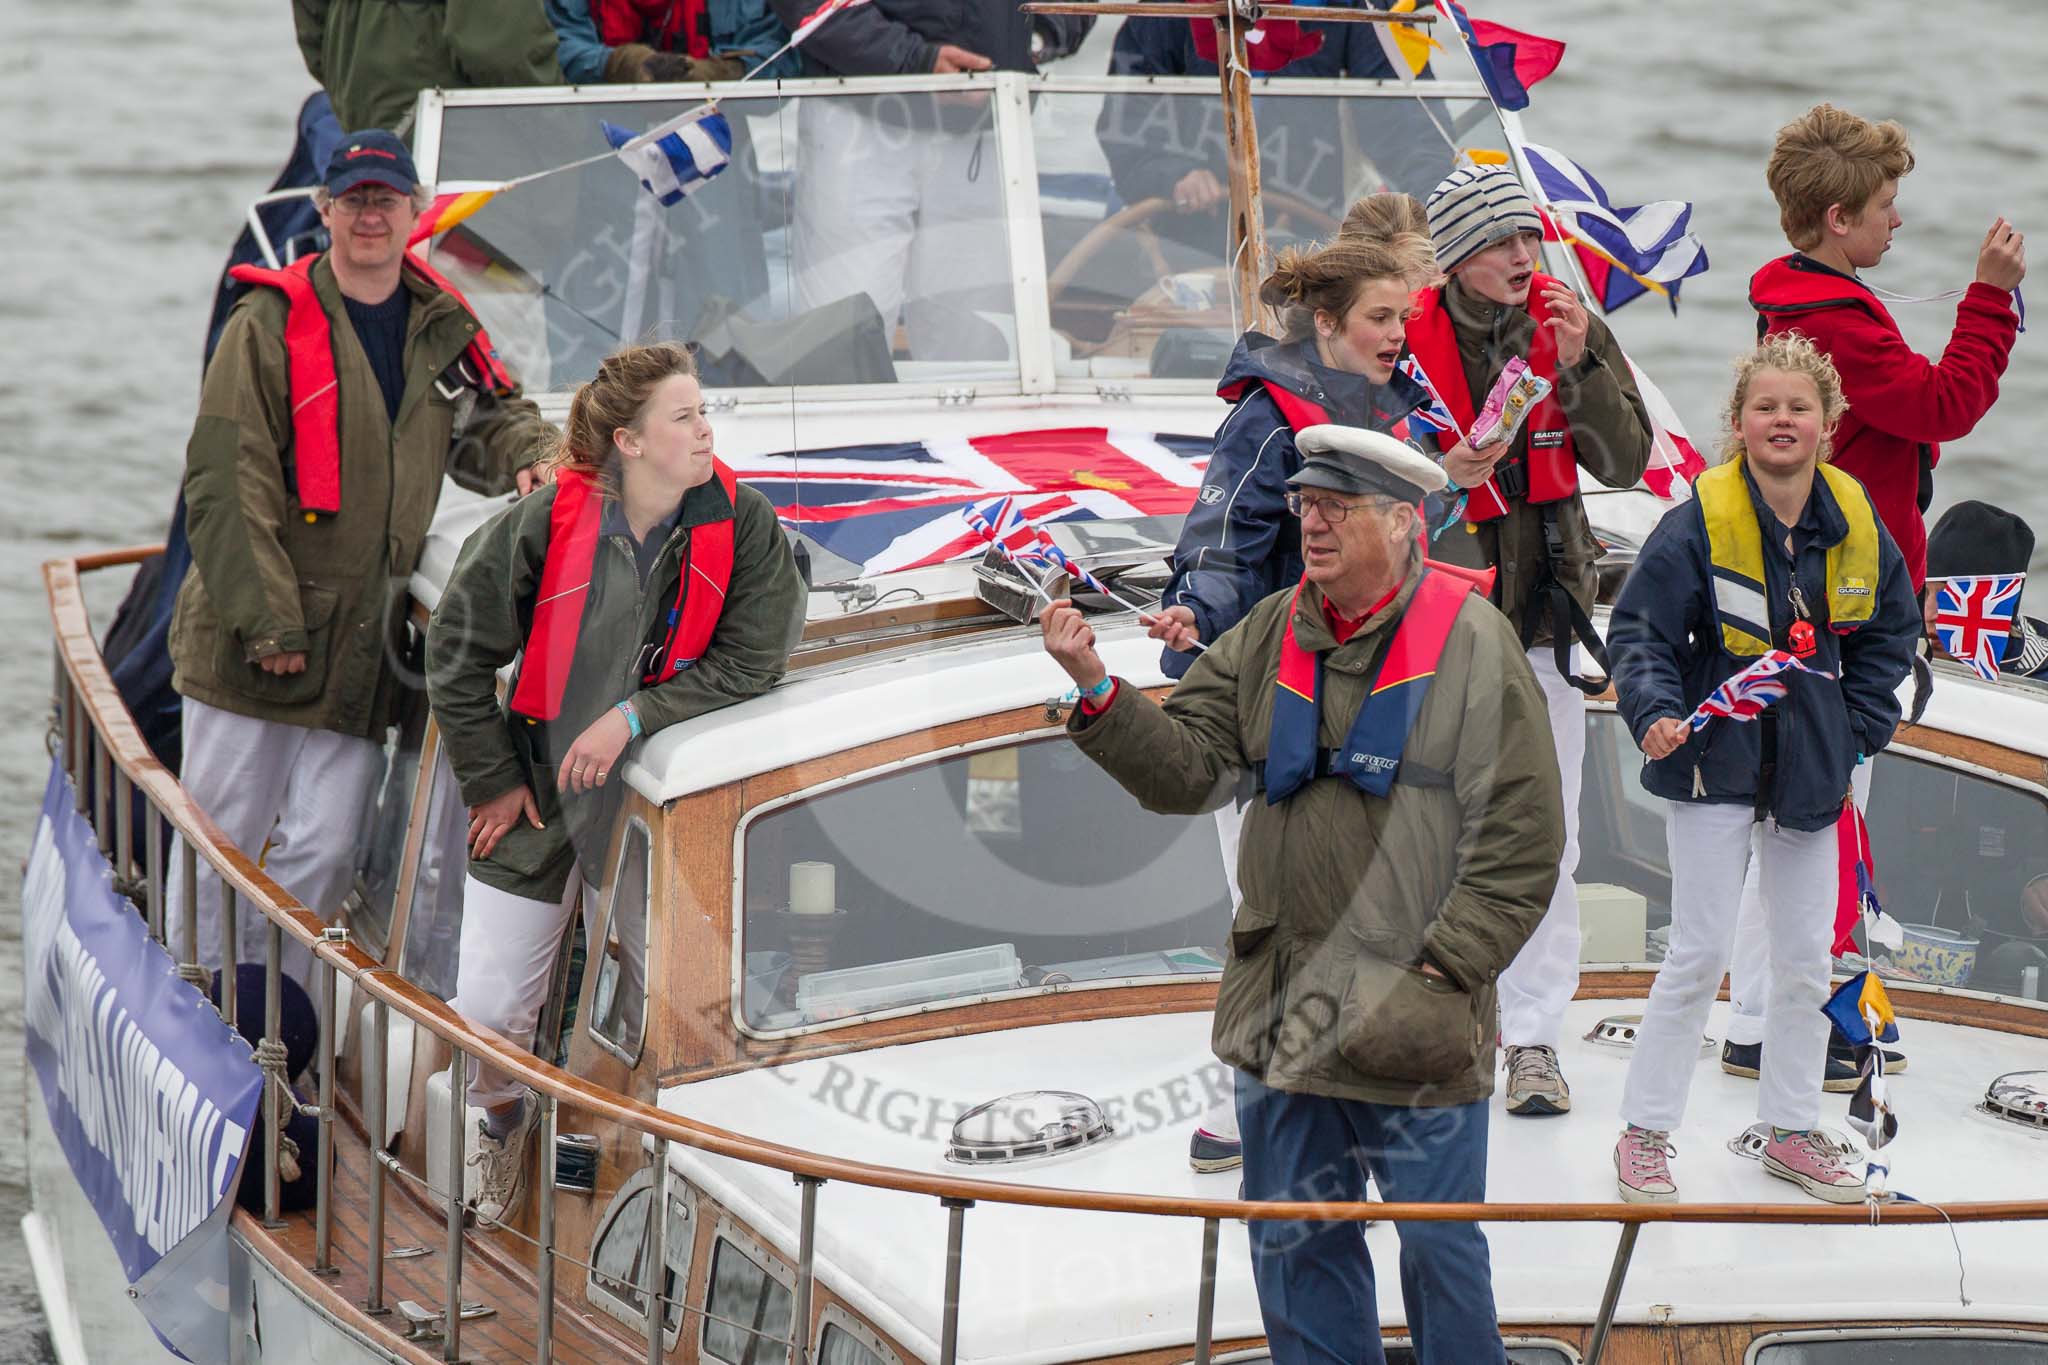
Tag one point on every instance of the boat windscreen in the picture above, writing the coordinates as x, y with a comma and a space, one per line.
993, 871
1133, 206
850, 239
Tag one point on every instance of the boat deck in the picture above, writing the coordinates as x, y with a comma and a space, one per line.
1042, 1284
489, 1276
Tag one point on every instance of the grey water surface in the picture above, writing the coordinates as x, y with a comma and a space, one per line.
134, 132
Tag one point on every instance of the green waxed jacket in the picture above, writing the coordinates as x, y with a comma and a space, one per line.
266, 581
482, 623
375, 56
1344, 894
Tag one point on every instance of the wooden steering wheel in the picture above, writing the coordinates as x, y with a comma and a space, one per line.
1135, 219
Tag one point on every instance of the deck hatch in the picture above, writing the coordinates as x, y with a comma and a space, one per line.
1030, 1123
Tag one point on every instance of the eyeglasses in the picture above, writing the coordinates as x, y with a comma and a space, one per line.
350, 205
1333, 510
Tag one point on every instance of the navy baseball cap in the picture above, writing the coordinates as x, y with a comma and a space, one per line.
371, 155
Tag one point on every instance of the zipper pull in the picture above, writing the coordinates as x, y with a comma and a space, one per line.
1699, 787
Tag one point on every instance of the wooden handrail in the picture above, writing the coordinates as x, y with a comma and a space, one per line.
94, 689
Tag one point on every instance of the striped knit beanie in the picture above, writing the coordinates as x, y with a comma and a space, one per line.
1474, 207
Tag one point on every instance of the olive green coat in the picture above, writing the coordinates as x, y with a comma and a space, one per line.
482, 622
375, 56
1343, 894
1610, 434
266, 581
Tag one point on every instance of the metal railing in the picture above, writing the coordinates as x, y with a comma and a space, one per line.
107, 757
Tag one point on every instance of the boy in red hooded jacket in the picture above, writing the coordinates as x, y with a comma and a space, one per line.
1836, 177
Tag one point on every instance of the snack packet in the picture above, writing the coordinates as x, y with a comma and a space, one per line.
1518, 390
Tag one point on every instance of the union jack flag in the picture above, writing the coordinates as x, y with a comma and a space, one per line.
1046, 552
890, 507
1432, 416
1745, 695
1973, 619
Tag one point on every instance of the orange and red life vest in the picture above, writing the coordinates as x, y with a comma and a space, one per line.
315, 391
574, 525
1552, 460
1371, 754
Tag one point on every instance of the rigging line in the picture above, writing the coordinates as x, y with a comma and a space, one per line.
796, 482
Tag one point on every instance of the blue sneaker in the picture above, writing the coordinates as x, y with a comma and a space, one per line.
1208, 1153
1840, 1078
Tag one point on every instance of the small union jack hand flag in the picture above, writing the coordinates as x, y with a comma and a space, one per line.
1973, 619
1745, 695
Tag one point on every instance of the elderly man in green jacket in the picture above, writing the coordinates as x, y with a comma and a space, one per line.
374, 57
1403, 847
343, 389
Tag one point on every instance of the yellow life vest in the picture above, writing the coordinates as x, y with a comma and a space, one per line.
1735, 544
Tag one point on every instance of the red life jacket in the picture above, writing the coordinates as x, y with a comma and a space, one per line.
1552, 460
573, 526
1371, 755
657, 23
315, 388
1299, 412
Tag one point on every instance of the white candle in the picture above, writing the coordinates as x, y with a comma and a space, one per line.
811, 889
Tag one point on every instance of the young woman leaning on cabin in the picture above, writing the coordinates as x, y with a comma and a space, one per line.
1777, 550
642, 586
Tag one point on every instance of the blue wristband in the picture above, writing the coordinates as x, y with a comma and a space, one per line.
1100, 690
625, 708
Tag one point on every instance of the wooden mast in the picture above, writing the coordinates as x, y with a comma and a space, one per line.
1249, 260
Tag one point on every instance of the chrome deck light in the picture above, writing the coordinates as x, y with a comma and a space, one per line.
2019, 1097
1030, 1123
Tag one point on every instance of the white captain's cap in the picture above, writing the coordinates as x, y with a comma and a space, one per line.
1354, 460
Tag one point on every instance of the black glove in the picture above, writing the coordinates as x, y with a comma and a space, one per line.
680, 66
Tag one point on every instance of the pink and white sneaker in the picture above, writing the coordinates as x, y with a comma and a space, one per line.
1642, 1167
1817, 1164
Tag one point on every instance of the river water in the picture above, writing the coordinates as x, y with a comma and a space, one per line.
133, 135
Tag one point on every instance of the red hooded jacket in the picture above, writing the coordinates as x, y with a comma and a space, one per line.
1901, 405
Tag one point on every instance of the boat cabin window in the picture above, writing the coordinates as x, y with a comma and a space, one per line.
1016, 867
618, 1016
618, 1256
842, 1341
748, 1304
1961, 855
1900, 1346
386, 817
432, 946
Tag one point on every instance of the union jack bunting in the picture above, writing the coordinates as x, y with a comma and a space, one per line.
1745, 695
1973, 619
1047, 552
890, 507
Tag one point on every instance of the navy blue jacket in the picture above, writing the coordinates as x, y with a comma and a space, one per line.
1239, 545
1666, 646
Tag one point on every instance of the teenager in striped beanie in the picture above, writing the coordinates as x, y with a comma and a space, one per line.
1524, 518
1474, 207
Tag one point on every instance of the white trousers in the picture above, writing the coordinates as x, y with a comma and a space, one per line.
913, 216
1540, 982
302, 792
1749, 974
1222, 1118
1710, 854
509, 947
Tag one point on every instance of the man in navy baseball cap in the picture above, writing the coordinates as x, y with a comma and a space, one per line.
372, 155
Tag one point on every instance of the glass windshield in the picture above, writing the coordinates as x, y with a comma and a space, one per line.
1132, 202
998, 870
850, 239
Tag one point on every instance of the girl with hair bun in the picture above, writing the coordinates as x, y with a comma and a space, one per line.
644, 585
1343, 310
1776, 550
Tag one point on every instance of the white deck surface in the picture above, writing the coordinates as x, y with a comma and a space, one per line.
1044, 1285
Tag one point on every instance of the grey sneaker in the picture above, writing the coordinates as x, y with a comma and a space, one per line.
1208, 1153
501, 1173
1535, 1085
1642, 1166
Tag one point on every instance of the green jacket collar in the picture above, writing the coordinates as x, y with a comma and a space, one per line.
1312, 628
